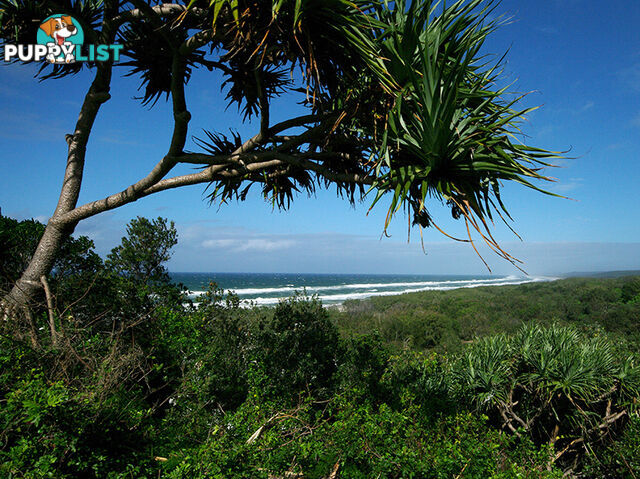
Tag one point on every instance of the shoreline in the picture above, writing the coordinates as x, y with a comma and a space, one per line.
334, 296
338, 305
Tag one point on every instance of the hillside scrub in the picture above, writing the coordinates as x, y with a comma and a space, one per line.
444, 320
137, 382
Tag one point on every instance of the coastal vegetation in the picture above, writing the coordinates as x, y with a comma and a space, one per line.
108, 369
122, 376
445, 320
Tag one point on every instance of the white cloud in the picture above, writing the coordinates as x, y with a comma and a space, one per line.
566, 186
587, 106
616, 146
266, 245
219, 243
343, 253
31, 126
248, 245
120, 137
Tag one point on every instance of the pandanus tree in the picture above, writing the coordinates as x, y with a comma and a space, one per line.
402, 104
554, 385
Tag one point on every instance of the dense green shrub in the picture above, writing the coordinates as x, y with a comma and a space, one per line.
359, 440
19, 240
414, 379
51, 430
142, 383
554, 385
296, 348
363, 362
209, 347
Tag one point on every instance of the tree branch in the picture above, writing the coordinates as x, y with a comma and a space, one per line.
154, 183
210, 174
162, 10
196, 41
181, 118
52, 321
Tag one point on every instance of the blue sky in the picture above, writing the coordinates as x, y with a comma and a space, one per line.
580, 59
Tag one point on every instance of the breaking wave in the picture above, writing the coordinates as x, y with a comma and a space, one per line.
338, 293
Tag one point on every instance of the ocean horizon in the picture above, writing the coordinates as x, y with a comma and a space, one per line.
267, 289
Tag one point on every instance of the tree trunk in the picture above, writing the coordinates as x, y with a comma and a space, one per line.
26, 288
57, 231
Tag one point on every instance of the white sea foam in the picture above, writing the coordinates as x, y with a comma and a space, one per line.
460, 283
415, 288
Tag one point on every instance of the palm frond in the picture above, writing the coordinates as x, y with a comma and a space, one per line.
450, 134
151, 58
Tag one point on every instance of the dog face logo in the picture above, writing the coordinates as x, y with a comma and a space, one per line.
60, 41
63, 32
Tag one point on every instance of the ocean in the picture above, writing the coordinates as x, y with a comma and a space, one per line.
266, 289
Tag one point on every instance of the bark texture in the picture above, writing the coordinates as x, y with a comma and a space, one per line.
58, 228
